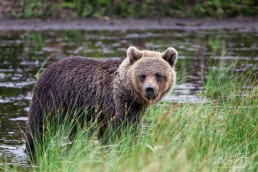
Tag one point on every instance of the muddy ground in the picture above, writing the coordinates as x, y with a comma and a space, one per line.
105, 23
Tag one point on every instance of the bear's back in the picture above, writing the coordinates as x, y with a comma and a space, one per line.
78, 81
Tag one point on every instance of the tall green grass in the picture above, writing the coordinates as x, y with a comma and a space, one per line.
218, 135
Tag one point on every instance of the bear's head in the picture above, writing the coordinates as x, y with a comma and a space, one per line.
150, 74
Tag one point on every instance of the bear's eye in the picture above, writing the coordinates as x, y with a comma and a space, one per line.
142, 77
159, 77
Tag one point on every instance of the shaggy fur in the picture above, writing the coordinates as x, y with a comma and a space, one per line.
110, 90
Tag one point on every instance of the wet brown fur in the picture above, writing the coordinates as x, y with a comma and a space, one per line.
108, 89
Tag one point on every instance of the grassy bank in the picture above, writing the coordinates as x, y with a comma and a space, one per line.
218, 135
144, 8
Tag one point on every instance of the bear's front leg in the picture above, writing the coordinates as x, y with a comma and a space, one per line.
120, 116
135, 112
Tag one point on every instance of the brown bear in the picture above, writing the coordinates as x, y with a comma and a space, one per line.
111, 90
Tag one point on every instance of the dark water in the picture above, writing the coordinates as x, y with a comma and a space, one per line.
23, 53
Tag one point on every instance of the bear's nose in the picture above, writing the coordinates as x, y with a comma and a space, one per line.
150, 91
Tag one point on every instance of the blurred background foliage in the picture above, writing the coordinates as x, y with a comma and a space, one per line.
128, 8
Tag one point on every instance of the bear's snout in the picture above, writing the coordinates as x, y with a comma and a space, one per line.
149, 92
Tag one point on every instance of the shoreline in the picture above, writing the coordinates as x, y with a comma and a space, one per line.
244, 24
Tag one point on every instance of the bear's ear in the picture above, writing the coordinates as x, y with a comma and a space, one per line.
134, 54
170, 55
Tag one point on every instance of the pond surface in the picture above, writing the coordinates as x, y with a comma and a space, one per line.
23, 53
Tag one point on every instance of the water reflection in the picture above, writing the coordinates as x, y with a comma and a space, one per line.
22, 54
